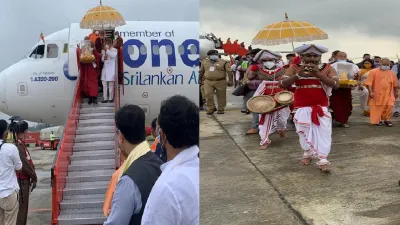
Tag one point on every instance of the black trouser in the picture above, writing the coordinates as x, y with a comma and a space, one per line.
200, 97
52, 145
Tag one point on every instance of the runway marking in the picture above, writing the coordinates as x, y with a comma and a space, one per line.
38, 210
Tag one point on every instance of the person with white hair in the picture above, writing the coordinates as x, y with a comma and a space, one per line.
314, 82
269, 71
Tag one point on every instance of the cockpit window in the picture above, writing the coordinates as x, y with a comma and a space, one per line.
52, 51
38, 52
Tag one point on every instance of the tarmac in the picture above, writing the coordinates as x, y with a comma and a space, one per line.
242, 185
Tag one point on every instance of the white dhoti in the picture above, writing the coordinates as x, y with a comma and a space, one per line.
364, 94
314, 140
272, 121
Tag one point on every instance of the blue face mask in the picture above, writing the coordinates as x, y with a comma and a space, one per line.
214, 57
342, 60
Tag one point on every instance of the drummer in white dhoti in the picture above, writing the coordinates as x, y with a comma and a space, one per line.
314, 82
267, 70
109, 57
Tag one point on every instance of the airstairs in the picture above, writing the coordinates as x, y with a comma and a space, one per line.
84, 163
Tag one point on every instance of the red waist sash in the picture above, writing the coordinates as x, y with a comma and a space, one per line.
310, 93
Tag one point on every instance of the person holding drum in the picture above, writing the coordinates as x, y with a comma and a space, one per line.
273, 117
314, 83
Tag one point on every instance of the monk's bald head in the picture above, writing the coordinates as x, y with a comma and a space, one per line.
385, 62
341, 56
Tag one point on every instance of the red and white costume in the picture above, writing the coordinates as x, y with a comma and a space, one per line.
277, 119
312, 118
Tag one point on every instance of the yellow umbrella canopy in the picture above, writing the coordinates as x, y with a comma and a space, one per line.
102, 17
288, 32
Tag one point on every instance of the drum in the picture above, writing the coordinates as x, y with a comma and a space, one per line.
261, 104
284, 97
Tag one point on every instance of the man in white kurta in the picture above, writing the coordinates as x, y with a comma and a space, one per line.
314, 82
109, 72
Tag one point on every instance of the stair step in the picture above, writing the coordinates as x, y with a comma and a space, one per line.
99, 104
93, 196
96, 122
91, 172
92, 162
97, 116
84, 190
94, 137
89, 178
82, 203
84, 185
97, 110
67, 217
92, 155
91, 165
96, 130
96, 145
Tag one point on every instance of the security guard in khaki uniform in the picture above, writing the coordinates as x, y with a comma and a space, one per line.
214, 71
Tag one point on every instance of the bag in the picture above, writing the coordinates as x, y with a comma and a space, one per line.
241, 90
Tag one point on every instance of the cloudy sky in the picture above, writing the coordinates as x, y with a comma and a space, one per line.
22, 21
356, 26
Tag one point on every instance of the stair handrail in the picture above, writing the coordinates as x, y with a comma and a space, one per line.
117, 105
62, 158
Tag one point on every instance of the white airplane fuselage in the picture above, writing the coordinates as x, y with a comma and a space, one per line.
160, 60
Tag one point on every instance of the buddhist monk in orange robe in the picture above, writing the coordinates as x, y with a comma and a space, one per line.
383, 87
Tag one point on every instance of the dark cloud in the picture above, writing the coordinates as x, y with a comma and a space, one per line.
369, 17
23, 21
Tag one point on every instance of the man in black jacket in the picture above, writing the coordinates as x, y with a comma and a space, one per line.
140, 170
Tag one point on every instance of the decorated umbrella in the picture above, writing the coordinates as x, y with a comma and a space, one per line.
288, 31
102, 17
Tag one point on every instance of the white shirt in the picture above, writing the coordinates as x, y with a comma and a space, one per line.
175, 197
349, 68
110, 66
9, 163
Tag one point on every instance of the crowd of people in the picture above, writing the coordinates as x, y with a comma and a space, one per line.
319, 95
156, 184
106, 67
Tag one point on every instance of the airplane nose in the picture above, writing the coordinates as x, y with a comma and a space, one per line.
3, 97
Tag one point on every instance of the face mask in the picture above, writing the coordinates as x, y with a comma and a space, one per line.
214, 57
342, 60
107, 46
385, 68
269, 64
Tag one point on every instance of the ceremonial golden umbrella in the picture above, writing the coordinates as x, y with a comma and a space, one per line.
102, 17
288, 32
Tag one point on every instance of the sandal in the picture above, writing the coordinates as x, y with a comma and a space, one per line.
396, 114
306, 161
324, 168
265, 146
388, 124
282, 134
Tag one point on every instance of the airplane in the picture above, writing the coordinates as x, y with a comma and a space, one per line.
160, 60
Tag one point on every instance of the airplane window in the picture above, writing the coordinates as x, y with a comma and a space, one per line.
181, 50
156, 50
38, 52
143, 50
52, 51
193, 49
168, 49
